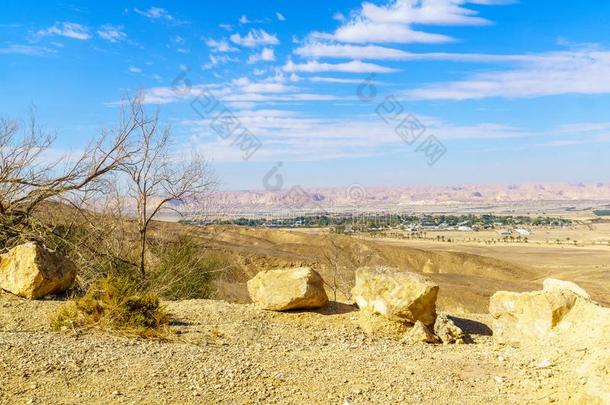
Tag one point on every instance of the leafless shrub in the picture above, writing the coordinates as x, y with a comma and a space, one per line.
342, 262
31, 176
156, 183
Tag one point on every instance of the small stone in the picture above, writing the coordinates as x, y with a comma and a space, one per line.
420, 333
447, 330
544, 363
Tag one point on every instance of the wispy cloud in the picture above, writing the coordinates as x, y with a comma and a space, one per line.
319, 79
158, 14
359, 31
338, 17
66, 29
112, 33
289, 134
354, 66
280, 17
134, 69
216, 60
221, 45
374, 52
255, 38
392, 22
569, 72
265, 55
28, 50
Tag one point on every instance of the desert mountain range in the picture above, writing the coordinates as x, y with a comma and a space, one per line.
418, 195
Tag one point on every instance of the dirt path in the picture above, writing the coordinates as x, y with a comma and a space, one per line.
232, 353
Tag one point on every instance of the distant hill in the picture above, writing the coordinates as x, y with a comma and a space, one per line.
414, 196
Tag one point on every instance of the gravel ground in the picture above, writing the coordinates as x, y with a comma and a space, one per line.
232, 353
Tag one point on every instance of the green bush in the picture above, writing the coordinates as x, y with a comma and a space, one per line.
183, 269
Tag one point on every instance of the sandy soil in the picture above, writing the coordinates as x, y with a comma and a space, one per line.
588, 266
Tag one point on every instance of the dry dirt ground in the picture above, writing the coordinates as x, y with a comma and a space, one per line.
235, 353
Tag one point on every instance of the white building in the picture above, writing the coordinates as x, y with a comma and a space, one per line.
522, 232
506, 232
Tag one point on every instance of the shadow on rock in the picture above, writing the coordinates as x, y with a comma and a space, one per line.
333, 308
470, 327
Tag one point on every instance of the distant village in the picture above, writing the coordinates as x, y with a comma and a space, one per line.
505, 225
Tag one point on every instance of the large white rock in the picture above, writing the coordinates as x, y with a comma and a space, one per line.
521, 317
553, 285
596, 371
284, 289
32, 271
398, 296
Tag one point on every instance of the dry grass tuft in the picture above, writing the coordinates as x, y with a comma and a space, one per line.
116, 304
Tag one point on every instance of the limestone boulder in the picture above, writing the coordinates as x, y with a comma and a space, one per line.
285, 289
420, 333
32, 271
398, 296
555, 285
596, 371
523, 317
447, 331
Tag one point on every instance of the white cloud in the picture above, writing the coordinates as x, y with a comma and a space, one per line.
585, 127
289, 134
280, 17
319, 79
240, 90
158, 14
112, 33
392, 22
354, 66
427, 12
338, 17
255, 38
28, 50
216, 60
221, 45
266, 55
134, 69
68, 30
568, 72
359, 31
332, 50
318, 50
266, 88
226, 27
245, 20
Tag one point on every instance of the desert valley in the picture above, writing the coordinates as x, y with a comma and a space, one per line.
281, 202
228, 350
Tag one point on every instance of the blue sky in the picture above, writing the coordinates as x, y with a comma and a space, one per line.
513, 91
